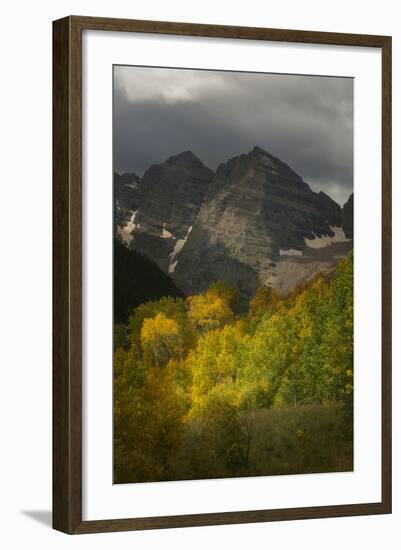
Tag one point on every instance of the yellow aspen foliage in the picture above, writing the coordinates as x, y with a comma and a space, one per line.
266, 300
160, 340
209, 311
201, 392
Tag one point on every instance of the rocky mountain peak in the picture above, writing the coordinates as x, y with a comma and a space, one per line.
273, 164
264, 156
186, 158
173, 193
258, 214
264, 169
259, 151
253, 222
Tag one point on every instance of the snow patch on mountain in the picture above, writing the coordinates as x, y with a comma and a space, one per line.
172, 266
291, 252
179, 245
326, 240
166, 234
125, 232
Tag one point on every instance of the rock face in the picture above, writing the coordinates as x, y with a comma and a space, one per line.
257, 215
126, 197
348, 217
172, 195
255, 222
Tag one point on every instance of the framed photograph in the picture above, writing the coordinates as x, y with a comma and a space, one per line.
222, 275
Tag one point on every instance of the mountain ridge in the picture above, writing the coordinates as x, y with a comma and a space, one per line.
253, 222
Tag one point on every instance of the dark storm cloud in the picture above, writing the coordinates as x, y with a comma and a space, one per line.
306, 121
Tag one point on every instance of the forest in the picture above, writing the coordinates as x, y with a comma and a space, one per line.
206, 386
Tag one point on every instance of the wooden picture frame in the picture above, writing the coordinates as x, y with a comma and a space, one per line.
67, 274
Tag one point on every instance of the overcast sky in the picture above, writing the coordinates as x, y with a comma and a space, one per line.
306, 121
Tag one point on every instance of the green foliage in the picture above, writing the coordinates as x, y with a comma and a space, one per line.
200, 392
265, 302
120, 336
220, 432
214, 362
263, 441
148, 419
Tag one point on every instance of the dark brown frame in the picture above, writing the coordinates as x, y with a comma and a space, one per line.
67, 279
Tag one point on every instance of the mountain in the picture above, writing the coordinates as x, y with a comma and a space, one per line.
253, 222
172, 195
137, 280
348, 217
126, 188
260, 223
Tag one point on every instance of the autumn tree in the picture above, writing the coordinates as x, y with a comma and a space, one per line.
160, 340
149, 410
265, 301
221, 430
214, 362
172, 308
193, 380
337, 345
229, 294
211, 310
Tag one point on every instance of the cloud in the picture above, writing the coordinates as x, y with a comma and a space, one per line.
169, 86
307, 121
